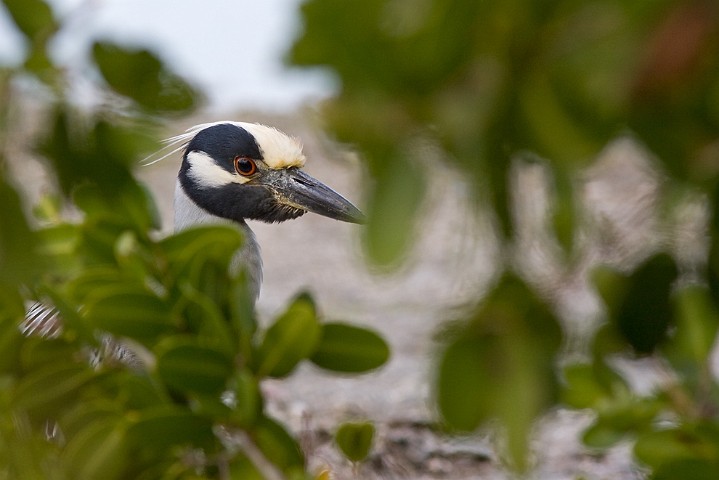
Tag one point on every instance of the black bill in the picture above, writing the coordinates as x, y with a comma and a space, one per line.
295, 188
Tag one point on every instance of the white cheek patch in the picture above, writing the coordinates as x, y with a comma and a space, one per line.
278, 150
205, 173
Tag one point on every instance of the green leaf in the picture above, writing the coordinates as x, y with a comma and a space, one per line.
355, 440
591, 385
207, 319
185, 366
462, 387
158, 429
663, 448
18, 256
47, 389
645, 314
349, 349
622, 416
98, 451
11, 341
39, 352
501, 366
141, 76
241, 468
201, 256
687, 469
33, 17
276, 444
696, 326
86, 151
291, 338
601, 435
133, 313
248, 398
393, 209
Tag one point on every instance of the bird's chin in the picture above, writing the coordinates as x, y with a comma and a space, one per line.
280, 213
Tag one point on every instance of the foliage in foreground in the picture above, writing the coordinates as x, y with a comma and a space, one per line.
156, 370
486, 82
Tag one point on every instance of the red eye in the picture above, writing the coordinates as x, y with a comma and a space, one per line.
245, 166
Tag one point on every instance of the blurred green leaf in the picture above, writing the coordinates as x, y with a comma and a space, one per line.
98, 451
130, 312
626, 414
18, 256
97, 153
48, 388
291, 338
392, 210
141, 76
696, 326
188, 367
242, 468
201, 257
591, 385
38, 352
11, 311
355, 440
207, 319
600, 435
645, 313
160, 428
275, 443
33, 17
665, 450
501, 366
349, 349
248, 398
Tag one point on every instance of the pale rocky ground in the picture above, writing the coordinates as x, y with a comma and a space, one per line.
453, 261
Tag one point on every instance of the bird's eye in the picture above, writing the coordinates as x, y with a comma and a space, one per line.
245, 166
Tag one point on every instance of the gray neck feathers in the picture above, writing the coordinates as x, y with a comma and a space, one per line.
188, 214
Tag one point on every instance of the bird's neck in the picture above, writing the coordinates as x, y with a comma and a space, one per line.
188, 214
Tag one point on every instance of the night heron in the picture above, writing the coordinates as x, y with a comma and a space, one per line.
232, 172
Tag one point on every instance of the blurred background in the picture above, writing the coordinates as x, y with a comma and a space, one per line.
540, 179
232, 50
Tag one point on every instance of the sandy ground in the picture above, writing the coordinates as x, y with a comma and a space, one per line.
451, 264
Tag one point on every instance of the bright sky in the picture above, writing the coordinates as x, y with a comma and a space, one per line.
231, 49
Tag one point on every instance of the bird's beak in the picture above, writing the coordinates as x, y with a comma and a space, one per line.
295, 188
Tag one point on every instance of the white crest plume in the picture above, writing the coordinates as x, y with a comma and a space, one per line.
178, 142
285, 151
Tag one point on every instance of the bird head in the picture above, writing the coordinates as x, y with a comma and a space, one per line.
244, 171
